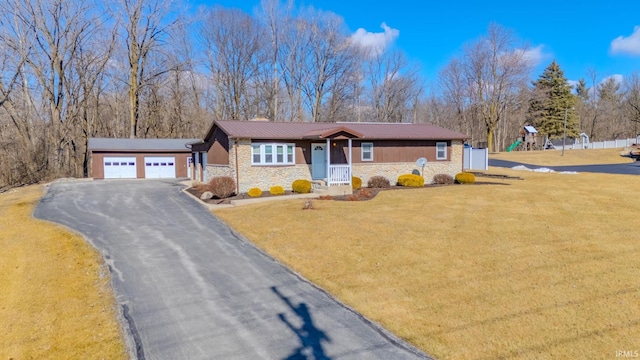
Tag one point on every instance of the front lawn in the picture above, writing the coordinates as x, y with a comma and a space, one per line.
545, 267
56, 300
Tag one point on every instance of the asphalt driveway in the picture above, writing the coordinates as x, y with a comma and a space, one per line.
625, 169
192, 289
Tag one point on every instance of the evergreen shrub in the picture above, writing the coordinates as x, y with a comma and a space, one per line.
276, 190
301, 186
356, 183
465, 178
254, 192
411, 180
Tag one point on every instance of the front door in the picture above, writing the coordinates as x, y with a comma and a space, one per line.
318, 161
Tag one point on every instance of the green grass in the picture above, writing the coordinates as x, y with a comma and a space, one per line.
541, 268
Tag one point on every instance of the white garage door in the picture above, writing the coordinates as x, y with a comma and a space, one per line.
159, 167
119, 167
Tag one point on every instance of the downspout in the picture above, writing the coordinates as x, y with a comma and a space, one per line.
235, 145
191, 166
463, 150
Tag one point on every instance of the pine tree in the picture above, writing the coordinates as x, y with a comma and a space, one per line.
582, 91
552, 101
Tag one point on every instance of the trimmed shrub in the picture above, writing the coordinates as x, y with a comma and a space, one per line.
356, 183
276, 190
411, 180
465, 178
254, 192
301, 186
222, 186
378, 182
443, 179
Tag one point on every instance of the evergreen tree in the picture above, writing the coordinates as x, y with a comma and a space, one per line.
552, 101
582, 91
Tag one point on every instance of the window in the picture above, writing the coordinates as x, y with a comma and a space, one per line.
441, 151
366, 152
256, 151
272, 154
268, 154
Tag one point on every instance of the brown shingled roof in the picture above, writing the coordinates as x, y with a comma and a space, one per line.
306, 130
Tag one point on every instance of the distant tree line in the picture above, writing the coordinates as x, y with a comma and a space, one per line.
71, 70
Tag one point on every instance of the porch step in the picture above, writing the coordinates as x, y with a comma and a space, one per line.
322, 182
319, 187
334, 190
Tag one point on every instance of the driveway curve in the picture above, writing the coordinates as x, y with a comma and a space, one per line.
632, 168
191, 288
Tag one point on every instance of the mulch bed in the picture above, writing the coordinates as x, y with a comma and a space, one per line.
362, 194
195, 192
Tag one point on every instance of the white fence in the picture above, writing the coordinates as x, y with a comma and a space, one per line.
608, 144
475, 159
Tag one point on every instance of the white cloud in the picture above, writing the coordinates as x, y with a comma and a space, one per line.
533, 56
617, 78
627, 45
573, 83
375, 42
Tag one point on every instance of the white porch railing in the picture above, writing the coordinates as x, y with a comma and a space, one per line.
339, 175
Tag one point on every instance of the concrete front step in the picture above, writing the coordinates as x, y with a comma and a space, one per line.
334, 190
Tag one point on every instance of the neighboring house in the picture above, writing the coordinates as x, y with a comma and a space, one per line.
263, 154
140, 158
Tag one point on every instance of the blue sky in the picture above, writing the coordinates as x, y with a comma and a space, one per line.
578, 34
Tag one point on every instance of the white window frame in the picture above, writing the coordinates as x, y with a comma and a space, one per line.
362, 152
261, 147
443, 150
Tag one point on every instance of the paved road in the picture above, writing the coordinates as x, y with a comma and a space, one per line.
192, 289
626, 169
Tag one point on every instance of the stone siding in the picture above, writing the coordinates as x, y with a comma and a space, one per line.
264, 177
218, 170
392, 170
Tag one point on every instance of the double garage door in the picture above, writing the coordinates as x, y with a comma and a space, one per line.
125, 167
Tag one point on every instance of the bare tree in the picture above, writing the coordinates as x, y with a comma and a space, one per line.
495, 69
392, 86
632, 101
328, 63
232, 40
145, 24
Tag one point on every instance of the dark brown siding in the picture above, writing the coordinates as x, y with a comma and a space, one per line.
392, 151
218, 153
97, 162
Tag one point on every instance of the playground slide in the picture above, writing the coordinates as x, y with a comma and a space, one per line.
514, 145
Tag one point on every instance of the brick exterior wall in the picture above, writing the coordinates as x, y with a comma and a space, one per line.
264, 177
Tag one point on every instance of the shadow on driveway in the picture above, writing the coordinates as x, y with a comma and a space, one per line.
192, 288
310, 336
